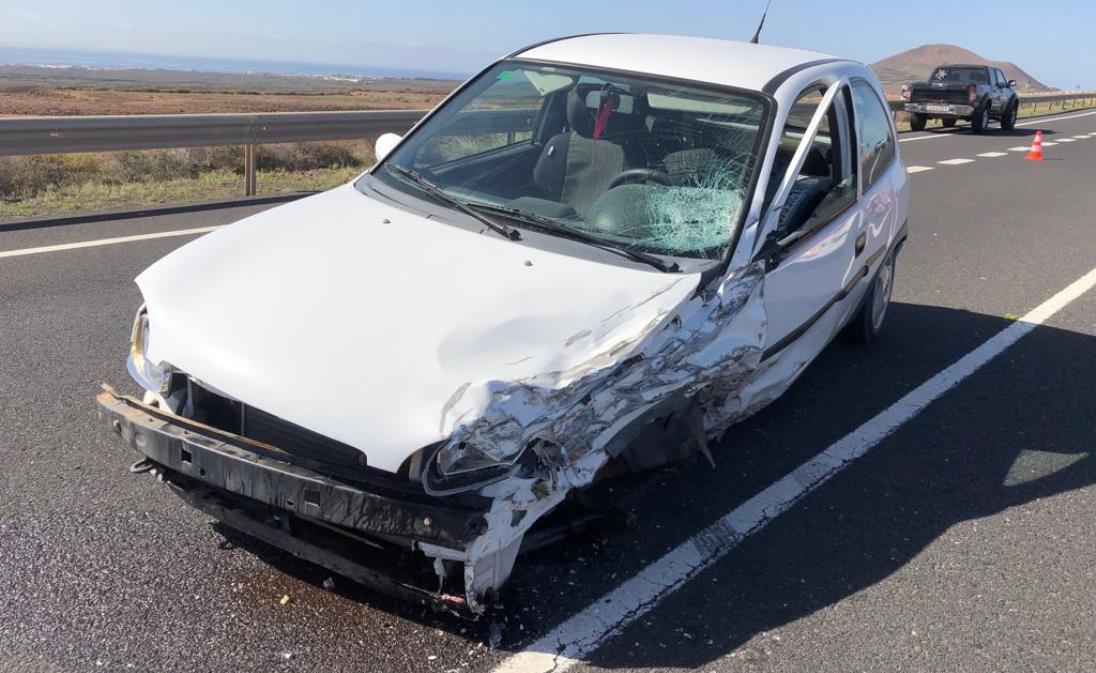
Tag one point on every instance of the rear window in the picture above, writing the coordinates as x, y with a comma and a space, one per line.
960, 74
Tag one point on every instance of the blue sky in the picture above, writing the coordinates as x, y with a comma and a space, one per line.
1052, 40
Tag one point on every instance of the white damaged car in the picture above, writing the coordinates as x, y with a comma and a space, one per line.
592, 237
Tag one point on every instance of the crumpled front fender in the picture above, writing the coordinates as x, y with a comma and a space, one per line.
703, 353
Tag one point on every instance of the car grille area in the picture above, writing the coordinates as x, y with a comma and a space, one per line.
224, 413
930, 95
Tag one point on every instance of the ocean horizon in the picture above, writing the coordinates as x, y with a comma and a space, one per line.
107, 60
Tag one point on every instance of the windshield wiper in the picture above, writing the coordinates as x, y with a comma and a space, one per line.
441, 195
577, 234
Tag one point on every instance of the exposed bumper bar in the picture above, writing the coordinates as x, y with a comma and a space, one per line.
238, 465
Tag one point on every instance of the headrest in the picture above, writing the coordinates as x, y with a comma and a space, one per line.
579, 116
582, 118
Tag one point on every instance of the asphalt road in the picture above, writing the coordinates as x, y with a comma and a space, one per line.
964, 541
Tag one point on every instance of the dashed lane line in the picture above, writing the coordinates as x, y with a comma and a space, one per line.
1020, 148
564, 646
955, 162
918, 169
1065, 140
105, 241
992, 154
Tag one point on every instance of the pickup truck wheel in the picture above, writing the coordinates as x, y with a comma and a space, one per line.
917, 121
948, 122
1008, 120
980, 121
867, 324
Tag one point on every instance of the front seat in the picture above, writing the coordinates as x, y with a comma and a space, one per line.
576, 166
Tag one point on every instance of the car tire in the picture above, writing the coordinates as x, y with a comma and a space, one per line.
867, 324
917, 121
980, 120
1008, 120
948, 122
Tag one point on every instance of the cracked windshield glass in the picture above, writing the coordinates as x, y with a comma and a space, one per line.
639, 163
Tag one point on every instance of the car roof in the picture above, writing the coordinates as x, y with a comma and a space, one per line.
723, 62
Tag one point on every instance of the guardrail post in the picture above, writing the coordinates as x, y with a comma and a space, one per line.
249, 170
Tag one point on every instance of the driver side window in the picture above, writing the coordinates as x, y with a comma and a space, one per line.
826, 184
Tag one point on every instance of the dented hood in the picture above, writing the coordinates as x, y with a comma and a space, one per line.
366, 323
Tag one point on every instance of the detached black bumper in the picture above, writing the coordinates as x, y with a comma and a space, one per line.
312, 515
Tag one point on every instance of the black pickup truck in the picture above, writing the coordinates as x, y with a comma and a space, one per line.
976, 93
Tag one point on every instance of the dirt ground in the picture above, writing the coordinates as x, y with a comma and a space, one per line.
23, 100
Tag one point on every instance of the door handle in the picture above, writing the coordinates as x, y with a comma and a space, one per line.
861, 241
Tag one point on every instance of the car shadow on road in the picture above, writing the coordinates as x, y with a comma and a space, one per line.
953, 463
1011, 434
1017, 132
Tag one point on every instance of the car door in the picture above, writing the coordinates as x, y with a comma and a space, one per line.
812, 236
882, 179
1001, 90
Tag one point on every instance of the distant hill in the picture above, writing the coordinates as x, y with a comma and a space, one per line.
916, 64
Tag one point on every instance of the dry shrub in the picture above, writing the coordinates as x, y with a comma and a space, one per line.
224, 158
25, 177
153, 166
305, 157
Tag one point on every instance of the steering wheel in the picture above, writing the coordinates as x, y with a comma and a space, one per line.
640, 175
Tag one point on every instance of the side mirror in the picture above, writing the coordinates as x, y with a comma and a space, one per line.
385, 144
1012, 82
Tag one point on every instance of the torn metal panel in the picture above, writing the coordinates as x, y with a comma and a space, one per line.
702, 355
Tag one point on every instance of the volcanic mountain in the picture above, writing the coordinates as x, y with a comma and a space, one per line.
916, 64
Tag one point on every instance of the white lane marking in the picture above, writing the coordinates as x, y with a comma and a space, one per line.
1019, 148
955, 162
563, 647
1081, 137
1063, 140
992, 154
105, 241
1040, 120
938, 133
1049, 143
918, 169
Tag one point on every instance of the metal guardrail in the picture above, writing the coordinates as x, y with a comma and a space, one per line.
60, 135
898, 105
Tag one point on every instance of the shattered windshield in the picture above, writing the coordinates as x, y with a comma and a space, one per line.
639, 163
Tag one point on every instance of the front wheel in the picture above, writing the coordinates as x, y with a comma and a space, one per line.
917, 121
980, 120
1008, 120
867, 324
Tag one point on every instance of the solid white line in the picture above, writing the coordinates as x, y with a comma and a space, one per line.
565, 645
955, 162
1040, 120
992, 154
105, 241
941, 133
918, 169
1054, 119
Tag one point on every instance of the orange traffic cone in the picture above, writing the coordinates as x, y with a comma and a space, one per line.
1036, 153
